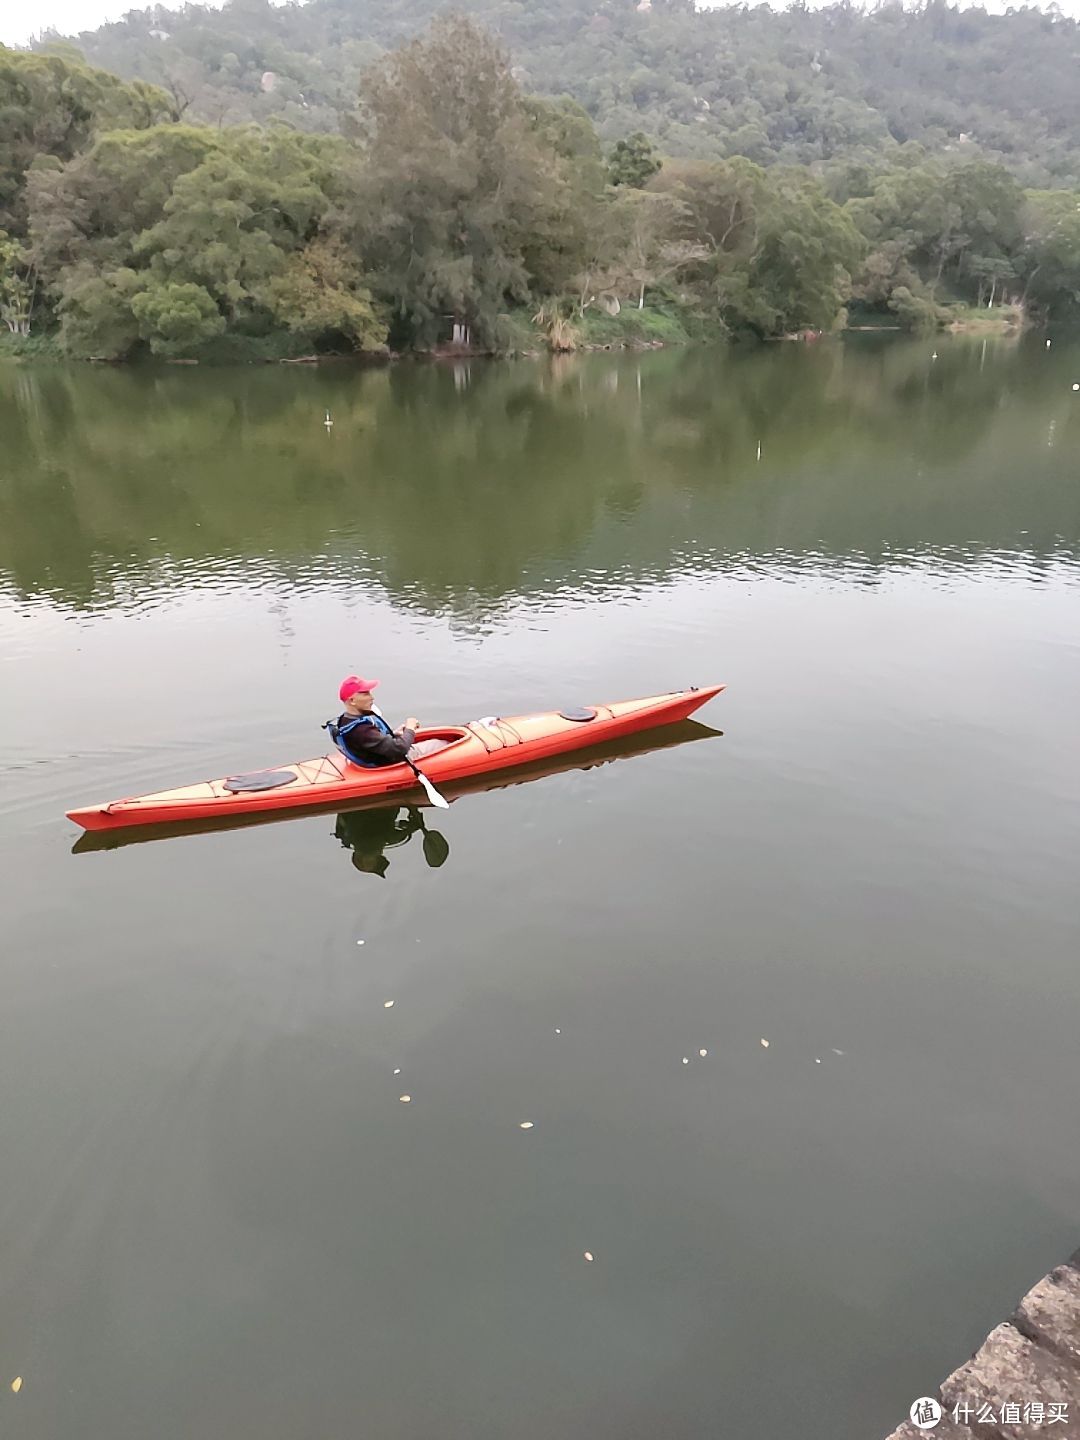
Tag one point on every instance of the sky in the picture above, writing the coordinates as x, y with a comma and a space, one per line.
18, 21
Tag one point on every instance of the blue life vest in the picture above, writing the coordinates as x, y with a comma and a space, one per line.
339, 734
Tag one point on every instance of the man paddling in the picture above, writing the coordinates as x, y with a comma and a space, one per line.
362, 734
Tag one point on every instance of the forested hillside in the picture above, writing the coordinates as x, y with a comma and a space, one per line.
799, 86
449, 202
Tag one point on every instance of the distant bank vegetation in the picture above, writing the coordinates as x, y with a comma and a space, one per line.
448, 206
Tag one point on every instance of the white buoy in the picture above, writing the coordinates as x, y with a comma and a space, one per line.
1048, 344
1076, 384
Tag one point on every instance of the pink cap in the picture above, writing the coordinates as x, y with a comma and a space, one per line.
353, 685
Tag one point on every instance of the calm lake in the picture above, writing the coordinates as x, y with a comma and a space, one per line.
217, 1218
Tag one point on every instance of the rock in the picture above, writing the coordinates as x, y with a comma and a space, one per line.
1049, 1314
1034, 1358
1009, 1367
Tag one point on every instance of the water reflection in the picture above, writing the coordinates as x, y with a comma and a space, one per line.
370, 833
534, 478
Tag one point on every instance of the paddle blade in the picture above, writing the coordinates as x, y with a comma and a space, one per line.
436, 848
432, 794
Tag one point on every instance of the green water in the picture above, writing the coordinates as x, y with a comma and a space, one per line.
217, 1218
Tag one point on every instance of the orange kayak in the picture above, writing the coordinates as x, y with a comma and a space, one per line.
468, 751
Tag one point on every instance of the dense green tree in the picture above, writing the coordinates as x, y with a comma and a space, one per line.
633, 161
176, 318
96, 316
457, 182
929, 224
1051, 260
248, 222
799, 274
321, 291
52, 106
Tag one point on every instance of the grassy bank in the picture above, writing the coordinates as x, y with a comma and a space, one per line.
29, 347
972, 320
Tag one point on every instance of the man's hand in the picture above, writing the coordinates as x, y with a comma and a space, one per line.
412, 723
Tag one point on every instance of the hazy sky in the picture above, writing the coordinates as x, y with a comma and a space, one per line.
19, 21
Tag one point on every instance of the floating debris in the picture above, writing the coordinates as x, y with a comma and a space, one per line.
686, 1059
703, 1053
360, 942
839, 1052
557, 1030
398, 1070
16, 1384
405, 1099
764, 1044
816, 1060
388, 1004
589, 1256
1076, 384
526, 1125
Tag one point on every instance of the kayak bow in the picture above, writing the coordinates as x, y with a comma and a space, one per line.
468, 751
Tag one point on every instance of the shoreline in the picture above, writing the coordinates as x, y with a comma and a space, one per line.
46, 350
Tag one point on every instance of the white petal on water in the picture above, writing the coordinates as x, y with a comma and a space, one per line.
405, 1099
16, 1384
703, 1053
525, 1125
764, 1044
388, 1004
589, 1256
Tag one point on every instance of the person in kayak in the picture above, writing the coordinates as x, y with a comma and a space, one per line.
361, 733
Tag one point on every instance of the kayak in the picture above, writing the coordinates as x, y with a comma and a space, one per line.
466, 752
589, 757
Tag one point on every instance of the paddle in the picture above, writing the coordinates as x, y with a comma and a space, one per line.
429, 789
436, 848
436, 845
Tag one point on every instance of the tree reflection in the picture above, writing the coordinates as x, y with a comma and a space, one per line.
538, 476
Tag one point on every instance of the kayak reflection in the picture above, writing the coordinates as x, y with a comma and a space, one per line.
370, 833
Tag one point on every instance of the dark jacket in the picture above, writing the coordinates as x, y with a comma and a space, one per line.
371, 746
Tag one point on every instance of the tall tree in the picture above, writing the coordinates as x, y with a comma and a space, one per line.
52, 106
457, 181
799, 274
